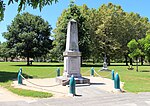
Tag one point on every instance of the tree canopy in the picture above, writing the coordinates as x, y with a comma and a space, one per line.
106, 30
28, 36
4, 51
73, 12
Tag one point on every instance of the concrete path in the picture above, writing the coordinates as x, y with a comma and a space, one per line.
88, 97
93, 95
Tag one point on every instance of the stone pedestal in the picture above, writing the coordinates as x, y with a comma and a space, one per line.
72, 64
65, 81
72, 57
104, 68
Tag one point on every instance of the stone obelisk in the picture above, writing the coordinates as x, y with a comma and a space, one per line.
72, 55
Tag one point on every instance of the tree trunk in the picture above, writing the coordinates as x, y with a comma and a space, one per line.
12, 58
6, 59
37, 59
136, 64
28, 59
108, 60
142, 60
93, 61
126, 59
44, 58
131, 61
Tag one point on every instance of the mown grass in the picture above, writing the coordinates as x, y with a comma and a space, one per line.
9, 72
24, 92
30, 93
134, 81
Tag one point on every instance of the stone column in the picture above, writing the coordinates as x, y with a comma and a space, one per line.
72, 56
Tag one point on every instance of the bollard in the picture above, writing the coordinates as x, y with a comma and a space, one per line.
19, 78
20, 70
112, 74
58, 72
92, 71
72, 85
117, 81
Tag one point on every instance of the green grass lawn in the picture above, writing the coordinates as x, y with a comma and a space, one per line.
134, 81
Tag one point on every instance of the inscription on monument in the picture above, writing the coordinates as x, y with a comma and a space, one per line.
73, 46
73, 61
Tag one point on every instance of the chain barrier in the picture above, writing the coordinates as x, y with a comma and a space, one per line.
52, 73
45, 89
102, 76
97, 74
37, 84
86, 72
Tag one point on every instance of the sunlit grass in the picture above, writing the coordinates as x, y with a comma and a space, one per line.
134, 81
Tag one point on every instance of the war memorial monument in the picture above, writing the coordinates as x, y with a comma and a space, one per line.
72, 57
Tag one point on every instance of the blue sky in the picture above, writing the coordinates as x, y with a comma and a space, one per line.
51, 13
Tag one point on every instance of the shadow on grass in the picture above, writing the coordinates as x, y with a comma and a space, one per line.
99, 65
39, 65
91, 65
7, 76
61, 65
145, 71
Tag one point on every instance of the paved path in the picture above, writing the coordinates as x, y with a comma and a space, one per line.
88, 96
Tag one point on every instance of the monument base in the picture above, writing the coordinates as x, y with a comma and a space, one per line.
65, 81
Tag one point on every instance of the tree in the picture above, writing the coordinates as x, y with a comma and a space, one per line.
92, 22
135, 52
119, 27
135, 28
2, 9
23, 3
108, 31
73, 12
28, 36
4, 51
141, 43
147, 47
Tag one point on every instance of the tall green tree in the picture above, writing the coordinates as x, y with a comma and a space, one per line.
92, 23
135, 51
119, 27
28, 36
73, 12
108, 31
4, 51
147, 47
135, 28
141, 43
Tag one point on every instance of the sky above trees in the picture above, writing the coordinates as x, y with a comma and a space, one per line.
51, 13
